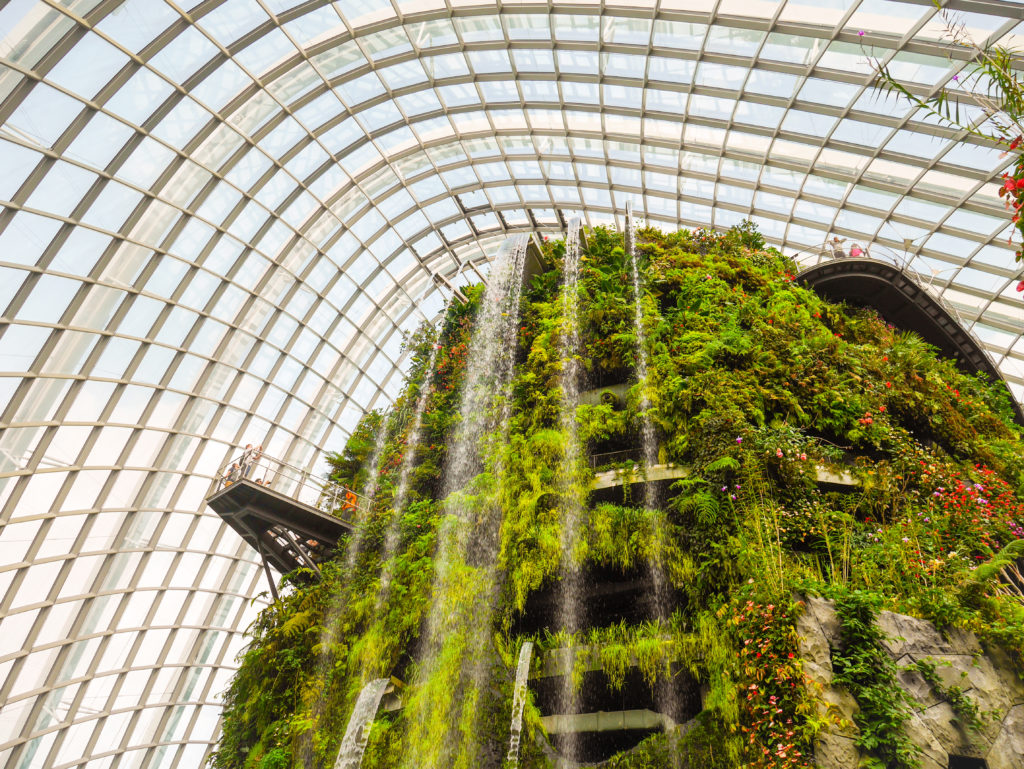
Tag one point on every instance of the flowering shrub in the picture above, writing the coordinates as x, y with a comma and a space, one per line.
1012, 192
773, 699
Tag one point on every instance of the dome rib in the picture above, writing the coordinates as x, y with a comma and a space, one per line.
219, 223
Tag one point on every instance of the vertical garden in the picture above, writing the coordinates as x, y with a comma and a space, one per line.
644, 478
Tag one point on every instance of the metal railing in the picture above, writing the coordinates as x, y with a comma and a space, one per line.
615, 457
314, 490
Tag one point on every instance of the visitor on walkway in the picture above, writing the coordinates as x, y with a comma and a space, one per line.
247, 460
232, 473
855, 251
836, 245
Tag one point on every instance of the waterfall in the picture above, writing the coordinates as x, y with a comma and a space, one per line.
650, 441
573, 495
355, 543
519, 703
394, 532
353, 744
669, 699
569, 353
488, 362
465, 581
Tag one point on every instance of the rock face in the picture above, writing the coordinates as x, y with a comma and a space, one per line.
987, 678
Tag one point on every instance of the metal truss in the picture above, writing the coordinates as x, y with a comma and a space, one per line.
218, 223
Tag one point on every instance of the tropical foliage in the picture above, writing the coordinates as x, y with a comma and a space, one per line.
755, 383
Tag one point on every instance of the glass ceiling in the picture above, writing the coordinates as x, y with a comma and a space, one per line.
218, 223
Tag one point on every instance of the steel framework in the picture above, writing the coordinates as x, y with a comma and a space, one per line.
219, 221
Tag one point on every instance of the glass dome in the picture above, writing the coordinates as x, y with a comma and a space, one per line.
218, 223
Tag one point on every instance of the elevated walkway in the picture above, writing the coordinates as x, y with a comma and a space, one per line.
290, 517
606, 719
901, 297
840, 479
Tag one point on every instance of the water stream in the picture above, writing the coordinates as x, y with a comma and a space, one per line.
519, 703
355, 543
649, 439
466, 582
668, 700
570, 596
353, 744
393, 535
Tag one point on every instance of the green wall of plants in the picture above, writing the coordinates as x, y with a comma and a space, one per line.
753, 382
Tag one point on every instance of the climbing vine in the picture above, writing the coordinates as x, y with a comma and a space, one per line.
862, 665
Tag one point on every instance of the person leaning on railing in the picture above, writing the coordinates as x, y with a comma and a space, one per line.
836, 244
232, 474
247, 460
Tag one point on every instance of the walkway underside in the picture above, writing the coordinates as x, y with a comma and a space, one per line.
263, 517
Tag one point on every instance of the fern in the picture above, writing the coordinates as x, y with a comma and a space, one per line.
723, 464
991, 568
297, 624
703, 506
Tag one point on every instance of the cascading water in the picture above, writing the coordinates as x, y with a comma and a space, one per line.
569, 351
650, 441
353, 744
465, 580
662, 603
393, 535
572, 492
355, 543
353, 548
519, 703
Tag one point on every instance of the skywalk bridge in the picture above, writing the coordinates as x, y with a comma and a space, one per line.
902, 297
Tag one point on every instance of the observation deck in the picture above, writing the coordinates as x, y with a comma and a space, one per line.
902, 298
291, 518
